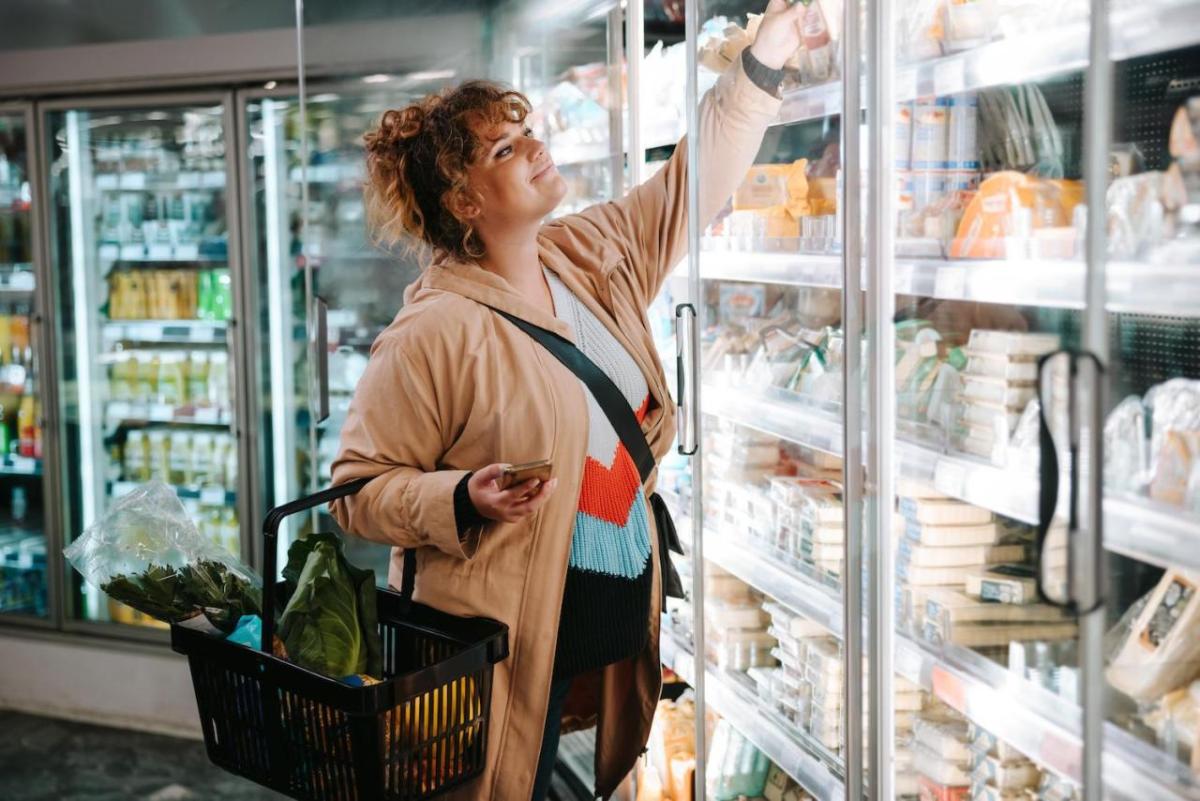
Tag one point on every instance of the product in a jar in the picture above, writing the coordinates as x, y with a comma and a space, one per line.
962, 135
136, 456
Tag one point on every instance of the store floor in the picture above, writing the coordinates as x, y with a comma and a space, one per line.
42, 759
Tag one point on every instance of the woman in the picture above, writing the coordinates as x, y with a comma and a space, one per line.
453, 392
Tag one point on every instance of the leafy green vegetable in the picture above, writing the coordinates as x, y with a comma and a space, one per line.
172, 594
330, 624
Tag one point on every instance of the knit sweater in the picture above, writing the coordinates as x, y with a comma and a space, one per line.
606, 600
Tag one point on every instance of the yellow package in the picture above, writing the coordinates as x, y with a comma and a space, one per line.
822, 196
765, 185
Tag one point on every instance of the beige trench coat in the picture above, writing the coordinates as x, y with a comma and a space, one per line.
452, 387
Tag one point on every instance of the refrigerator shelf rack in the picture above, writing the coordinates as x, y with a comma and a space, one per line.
1134, 526
1136, 30
1037, 722
1142, 287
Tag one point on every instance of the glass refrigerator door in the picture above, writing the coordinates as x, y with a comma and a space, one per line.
23, 588
360, 283
773, 349
139, 232
568, 59
998, 164
1150, 418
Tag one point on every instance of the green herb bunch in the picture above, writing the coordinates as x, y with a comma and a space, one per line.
173, 594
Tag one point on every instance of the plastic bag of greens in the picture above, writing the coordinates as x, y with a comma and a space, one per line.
147, 554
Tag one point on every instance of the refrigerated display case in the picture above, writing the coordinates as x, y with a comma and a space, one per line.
24, 588
358, 284
141, 215
981, 154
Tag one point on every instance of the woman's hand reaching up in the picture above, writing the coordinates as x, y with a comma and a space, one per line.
507, 505
779, 34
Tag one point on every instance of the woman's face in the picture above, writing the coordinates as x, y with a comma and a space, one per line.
514, 177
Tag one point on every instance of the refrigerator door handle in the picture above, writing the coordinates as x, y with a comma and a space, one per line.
685, 390
321, 357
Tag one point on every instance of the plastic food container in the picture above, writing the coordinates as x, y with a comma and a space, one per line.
742, 650
947, 772
1006, 775
727, 615
945, 739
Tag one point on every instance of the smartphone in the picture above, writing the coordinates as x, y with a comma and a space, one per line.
520, 473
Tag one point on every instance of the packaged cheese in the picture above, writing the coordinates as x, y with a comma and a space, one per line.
1161, 652
935, 512
983, 743
1001, 217
1177, 459
906, 784
918, 555
988, 635
1006, 775
998, 391
993, 415
990, 792
952, 606
952, 536
947, 739
933, 765
793, 624
1006, 584
777, 784
1005, 366
915, 488
932, 576
1012, 343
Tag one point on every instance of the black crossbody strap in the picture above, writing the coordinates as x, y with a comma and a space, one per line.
607, 394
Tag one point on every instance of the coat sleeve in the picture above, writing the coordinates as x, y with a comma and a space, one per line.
395, 434
650, 223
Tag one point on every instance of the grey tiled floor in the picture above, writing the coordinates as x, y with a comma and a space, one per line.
51, 760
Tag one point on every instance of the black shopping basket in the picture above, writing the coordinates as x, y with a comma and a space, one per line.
416, 735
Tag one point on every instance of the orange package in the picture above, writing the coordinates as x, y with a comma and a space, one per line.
1011, 205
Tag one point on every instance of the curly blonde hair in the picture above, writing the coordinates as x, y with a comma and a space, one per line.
417, 160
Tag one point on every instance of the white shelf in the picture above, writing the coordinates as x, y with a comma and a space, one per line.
741, 710
329, 173
208, 495
1135, 30
181, 332
17, 279
1168, 289
20, 466
138, 253
117, 412
145, 181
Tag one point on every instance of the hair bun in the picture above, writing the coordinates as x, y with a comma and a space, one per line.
396, 126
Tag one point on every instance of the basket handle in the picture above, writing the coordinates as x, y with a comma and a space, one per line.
270, 558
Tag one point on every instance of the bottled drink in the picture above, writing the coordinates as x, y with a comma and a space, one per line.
202, 452
197, 378
159, 455
136, 457
180, 458
27, 423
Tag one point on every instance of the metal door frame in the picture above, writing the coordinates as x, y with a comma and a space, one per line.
43, 359
68, 620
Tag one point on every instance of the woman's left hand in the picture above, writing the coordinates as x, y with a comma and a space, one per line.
778, 34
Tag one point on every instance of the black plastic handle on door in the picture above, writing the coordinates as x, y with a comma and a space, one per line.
1049, 472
